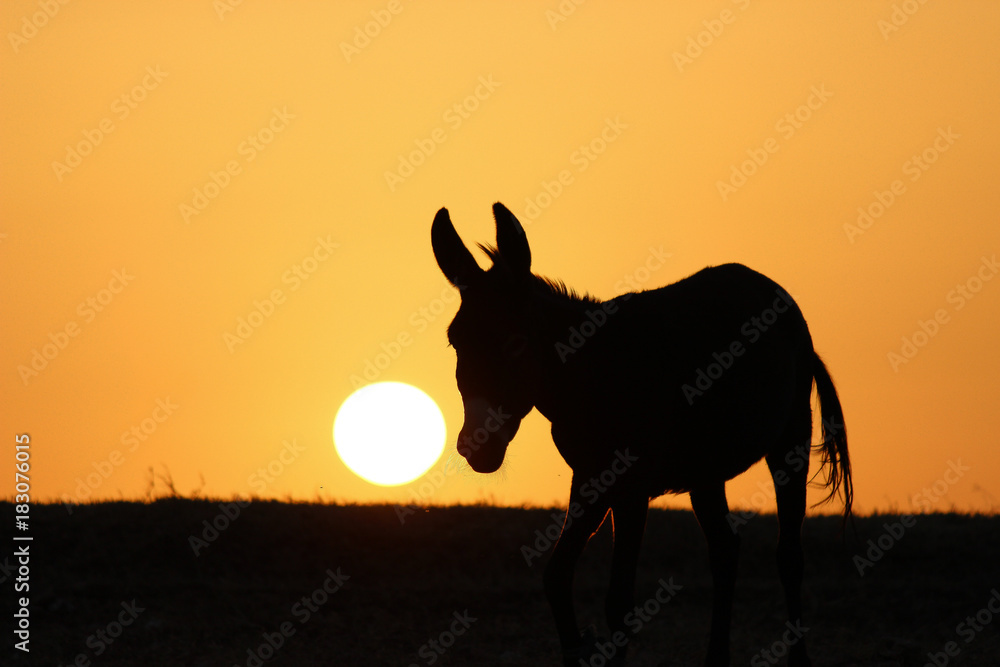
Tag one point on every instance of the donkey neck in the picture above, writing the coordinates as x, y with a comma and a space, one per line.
561, 323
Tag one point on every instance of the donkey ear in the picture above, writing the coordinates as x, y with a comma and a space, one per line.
455, 260
512, 243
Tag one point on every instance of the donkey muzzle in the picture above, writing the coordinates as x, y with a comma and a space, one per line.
485, 435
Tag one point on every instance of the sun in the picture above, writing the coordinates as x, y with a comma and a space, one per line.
389, 433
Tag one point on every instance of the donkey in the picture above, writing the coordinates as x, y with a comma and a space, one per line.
673, 390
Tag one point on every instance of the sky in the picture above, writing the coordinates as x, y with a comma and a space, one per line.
215, 216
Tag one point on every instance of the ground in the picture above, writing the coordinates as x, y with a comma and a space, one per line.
121, 584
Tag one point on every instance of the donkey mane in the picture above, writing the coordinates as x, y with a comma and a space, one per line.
559, 289
549, 286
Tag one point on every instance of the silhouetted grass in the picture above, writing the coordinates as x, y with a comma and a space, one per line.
408, 580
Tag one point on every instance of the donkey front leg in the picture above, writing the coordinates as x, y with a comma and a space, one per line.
583, 518
628, 512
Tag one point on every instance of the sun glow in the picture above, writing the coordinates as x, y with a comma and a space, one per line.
389, 433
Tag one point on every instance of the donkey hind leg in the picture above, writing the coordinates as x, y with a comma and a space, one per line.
711, 509
628, 513
790, 474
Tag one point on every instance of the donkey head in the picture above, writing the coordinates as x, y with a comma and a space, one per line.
491, 335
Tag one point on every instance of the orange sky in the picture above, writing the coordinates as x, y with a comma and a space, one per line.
168, 167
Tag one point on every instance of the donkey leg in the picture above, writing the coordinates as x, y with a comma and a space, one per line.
628, 512
711, 508
558, 576
790, 493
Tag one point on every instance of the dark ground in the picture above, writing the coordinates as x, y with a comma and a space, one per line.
407, 582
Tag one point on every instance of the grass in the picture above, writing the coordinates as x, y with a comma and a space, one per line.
407, 581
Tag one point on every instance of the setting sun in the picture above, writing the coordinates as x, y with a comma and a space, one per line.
389, 433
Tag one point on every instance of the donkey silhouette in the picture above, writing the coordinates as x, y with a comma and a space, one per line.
670, 390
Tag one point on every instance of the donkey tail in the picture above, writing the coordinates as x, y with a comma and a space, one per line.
836, 460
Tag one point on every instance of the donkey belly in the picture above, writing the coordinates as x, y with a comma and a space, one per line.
702, 380
682, 446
